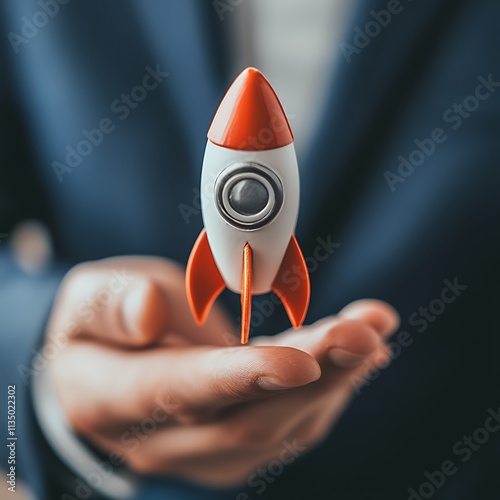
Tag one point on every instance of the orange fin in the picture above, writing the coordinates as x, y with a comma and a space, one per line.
246, 293
295, 296
204, 282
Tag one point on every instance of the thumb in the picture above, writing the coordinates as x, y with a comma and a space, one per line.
131, 301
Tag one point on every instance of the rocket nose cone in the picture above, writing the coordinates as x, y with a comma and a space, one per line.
250, 116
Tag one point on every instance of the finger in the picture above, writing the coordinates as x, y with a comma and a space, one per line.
217, 329
376, 313
197, 453
338, 342
187, 381
371, 366
349, 348
132, 301
341, 347
213, 467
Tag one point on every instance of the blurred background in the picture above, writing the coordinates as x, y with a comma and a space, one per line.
395, 110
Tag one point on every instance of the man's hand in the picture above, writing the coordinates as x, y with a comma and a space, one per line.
139, 377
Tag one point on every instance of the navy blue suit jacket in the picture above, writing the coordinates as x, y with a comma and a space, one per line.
402, 177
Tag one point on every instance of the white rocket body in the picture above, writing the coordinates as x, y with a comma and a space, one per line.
268, 243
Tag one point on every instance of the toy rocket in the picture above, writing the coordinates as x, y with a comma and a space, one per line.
250, 202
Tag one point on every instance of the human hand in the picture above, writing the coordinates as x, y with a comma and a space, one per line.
220, 412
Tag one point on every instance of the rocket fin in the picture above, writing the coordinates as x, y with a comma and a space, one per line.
246, 293
204, 282
295, 298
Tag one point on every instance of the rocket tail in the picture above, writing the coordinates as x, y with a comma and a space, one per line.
246, 293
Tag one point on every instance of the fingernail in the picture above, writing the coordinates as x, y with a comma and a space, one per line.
343, 358
270, 384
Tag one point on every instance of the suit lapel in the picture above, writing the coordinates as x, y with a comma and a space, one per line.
177, 36
366, 98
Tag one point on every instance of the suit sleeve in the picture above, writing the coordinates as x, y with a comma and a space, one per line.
26, 297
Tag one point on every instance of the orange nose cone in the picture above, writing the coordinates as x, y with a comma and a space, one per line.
250, 117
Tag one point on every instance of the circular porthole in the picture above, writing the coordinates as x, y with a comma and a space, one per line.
248, 195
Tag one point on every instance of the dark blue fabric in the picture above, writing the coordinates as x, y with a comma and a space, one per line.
128, 197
